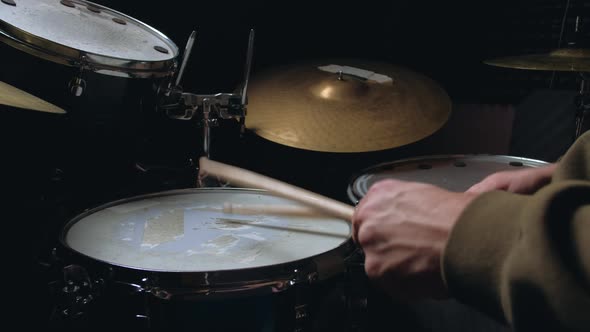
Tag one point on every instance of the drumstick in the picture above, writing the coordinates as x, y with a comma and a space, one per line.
281, 210
241, 177
261, 209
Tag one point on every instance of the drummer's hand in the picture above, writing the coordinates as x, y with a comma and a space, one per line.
402, 228
522, 181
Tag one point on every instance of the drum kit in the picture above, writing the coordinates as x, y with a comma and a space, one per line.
169, 258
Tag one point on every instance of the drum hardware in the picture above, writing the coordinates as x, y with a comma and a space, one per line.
302, 308
298, 277
345, 105
582, 102
77, 85
187, 51
76, 293
171, 94
183, 106
577, 39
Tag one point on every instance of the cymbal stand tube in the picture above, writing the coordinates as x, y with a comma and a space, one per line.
207, 122
171, 95
247, 69
220, 105
582, 106
187, 52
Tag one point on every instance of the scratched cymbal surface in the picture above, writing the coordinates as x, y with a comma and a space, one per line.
345, 105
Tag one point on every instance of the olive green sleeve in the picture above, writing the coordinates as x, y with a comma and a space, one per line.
525, 259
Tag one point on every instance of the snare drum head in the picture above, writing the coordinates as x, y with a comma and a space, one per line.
81, 33
454, 173
184, 231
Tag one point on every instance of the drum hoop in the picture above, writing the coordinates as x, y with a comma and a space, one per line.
263, 279
65, 55
352, 195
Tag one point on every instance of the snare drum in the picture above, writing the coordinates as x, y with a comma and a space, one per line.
454, 172
174, 259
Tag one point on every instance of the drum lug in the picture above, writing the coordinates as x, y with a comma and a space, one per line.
160, 293
78, 291
301, 309
77, 84
301, 314
300, 277
134, 287
148, 286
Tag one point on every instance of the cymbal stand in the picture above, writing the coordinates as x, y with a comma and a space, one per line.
184, 105
215, 106
582, 103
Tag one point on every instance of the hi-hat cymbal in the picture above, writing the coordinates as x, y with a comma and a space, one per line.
566, 59
11, 96
345, 106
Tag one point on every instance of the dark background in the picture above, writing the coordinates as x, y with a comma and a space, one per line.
62, 165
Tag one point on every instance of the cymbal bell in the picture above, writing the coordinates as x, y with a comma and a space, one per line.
14, 97
344, 105
566, 59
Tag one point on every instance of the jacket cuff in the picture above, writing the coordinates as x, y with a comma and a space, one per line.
478, 246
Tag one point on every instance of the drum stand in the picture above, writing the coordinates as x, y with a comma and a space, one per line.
183, 105
582, 103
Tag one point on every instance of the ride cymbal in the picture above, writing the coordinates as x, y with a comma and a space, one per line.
566, 59
345, 106
11, 96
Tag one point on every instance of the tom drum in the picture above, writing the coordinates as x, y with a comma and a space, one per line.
452, 172
104, 68
455, 173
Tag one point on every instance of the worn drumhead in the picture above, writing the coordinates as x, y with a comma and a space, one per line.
182, 231
81, 33
455, 173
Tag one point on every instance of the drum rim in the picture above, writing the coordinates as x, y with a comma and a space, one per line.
268, 278
355, 197
104, 64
